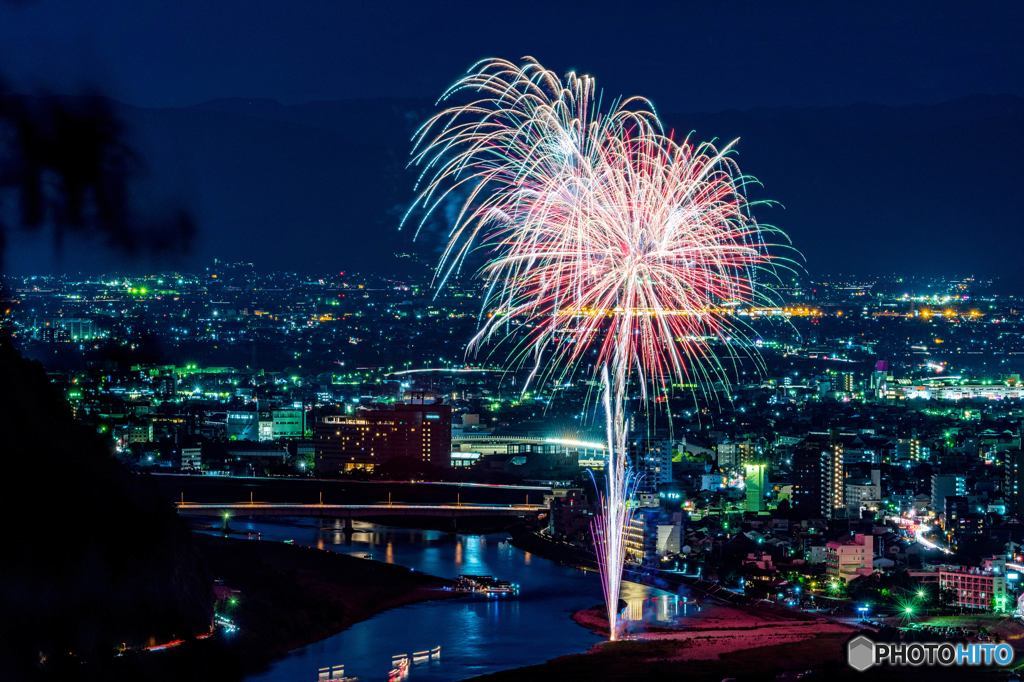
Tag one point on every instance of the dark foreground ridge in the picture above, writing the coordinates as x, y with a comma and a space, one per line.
288, 596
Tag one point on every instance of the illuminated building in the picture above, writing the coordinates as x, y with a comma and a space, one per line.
191, 459
78, 329
819, 488
962, 525
1013, 480
851, 558
287, 423
641, 537
528, 456
861, 493
140, 433
654, 462
570, 514
911, 450
266, 429
883, 382
842, 382
242, 425
460, 459
975, 587
734, 455
375, 436
944, 485
756, 478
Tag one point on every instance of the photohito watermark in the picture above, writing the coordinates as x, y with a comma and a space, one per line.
862, 653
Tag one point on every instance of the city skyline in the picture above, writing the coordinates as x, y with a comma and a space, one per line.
520, 341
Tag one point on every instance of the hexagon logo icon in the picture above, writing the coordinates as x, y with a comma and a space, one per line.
860, 653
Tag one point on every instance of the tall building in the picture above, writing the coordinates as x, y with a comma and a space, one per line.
842, 381
641, 537
756, 478
882, 381
819, 489
375, 436
945, 485
653, 459
810, 480
734, 455
911, 450
1013, 480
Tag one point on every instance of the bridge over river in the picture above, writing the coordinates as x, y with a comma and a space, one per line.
360, 511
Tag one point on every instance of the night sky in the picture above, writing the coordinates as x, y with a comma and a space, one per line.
868, 94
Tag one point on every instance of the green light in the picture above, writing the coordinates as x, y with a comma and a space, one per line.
920, 594
909, 610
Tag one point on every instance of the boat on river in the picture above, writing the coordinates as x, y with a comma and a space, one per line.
486, 584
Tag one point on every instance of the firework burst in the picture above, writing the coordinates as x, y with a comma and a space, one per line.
612, 247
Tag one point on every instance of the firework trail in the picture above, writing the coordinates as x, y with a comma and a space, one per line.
609, 243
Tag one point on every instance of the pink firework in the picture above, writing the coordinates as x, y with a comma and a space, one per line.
602, 234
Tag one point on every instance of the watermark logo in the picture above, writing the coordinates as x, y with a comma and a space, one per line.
860, 653
863, 653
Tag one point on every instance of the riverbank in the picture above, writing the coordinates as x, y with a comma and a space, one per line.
719, 642
731, 635
664, 660
718, 630
529, 540
288, 596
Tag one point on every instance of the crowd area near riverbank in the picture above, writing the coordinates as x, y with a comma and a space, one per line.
722, 642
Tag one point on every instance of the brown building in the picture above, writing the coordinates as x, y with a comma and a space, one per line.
373, 436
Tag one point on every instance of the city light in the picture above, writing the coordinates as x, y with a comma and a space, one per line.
312, 376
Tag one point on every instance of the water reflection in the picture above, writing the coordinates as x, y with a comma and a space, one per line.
661, 608
477, 635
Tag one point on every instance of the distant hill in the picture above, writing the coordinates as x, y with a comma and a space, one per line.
321, 186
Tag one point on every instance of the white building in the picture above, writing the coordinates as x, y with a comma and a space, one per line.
191, 459
863, 493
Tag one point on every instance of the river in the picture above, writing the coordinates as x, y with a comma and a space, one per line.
477, 635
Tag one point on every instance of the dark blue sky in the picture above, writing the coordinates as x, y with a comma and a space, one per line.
688, 56
876, 189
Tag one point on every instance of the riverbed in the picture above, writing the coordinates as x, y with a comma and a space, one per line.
477, 635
